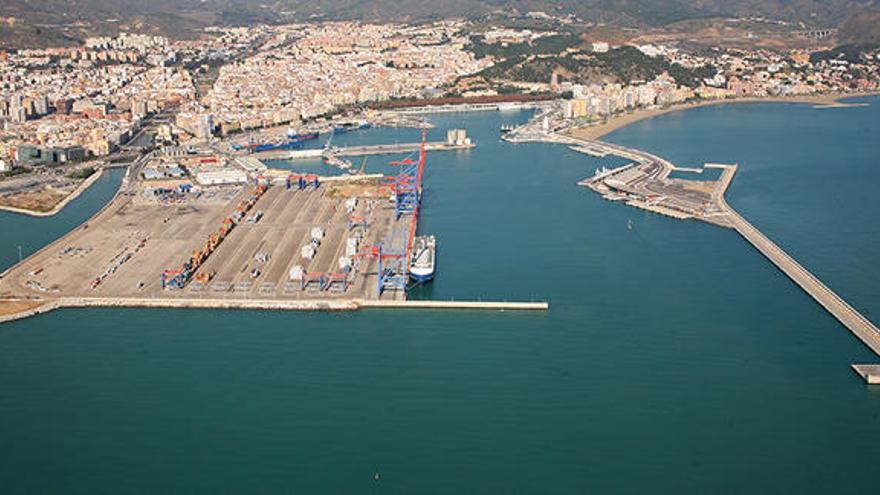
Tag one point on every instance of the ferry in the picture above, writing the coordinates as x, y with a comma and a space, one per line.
350, 126
424, 259
293, 141
292, 135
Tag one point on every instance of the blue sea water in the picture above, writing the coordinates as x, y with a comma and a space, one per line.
674, 357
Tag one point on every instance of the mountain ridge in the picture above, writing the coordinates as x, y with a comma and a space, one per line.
42, 22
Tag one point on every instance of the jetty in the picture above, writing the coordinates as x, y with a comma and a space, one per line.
390, 149
849, 317
31, 308
379, 149
645, 184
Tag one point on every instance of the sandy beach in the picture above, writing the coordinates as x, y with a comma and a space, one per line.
596, 131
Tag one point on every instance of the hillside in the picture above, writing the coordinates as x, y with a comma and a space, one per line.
864, 28
50, 22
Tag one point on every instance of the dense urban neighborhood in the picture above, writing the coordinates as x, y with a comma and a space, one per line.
62, 105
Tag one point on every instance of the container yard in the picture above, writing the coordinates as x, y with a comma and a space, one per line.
288, 239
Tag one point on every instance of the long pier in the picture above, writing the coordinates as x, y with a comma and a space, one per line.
726, 216
860, 326
389, 149
380, 149
36, 307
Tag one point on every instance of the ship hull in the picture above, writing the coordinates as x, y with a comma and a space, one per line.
421, 278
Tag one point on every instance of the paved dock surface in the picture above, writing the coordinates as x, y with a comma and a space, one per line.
28, 308
484, 305
870, 372
135, 238
378, 149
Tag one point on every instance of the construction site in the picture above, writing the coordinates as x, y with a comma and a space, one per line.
276, 237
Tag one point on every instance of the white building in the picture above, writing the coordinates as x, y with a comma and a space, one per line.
221, 177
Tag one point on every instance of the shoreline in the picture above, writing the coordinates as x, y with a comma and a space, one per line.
619, 121
61, 238
82, 187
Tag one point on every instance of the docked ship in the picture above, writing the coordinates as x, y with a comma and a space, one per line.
424, 259
351, 126
292, 135
293, 141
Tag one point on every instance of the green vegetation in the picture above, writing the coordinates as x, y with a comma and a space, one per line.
15, 171
849, 53
691, 77
624, 64
628, 63
83, 173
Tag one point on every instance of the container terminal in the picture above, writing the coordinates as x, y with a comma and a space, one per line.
207, 230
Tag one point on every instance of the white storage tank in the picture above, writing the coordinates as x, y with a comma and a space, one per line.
344, 262
308, 252
296, 273
317, 233
350, 204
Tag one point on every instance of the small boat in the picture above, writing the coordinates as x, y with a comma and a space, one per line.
424, 259
629, 224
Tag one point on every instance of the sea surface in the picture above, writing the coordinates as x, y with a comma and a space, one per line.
674, 357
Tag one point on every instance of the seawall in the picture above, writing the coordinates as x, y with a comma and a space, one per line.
268, 304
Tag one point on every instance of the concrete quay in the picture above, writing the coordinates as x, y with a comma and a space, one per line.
267, 304
869, 372
390, 149
482, 305
646, 183
380, 149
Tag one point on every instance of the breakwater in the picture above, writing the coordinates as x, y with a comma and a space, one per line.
267, 304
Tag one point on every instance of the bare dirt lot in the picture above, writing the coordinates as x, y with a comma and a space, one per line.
41, 200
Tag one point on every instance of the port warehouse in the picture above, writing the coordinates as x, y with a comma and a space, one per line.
276, 236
